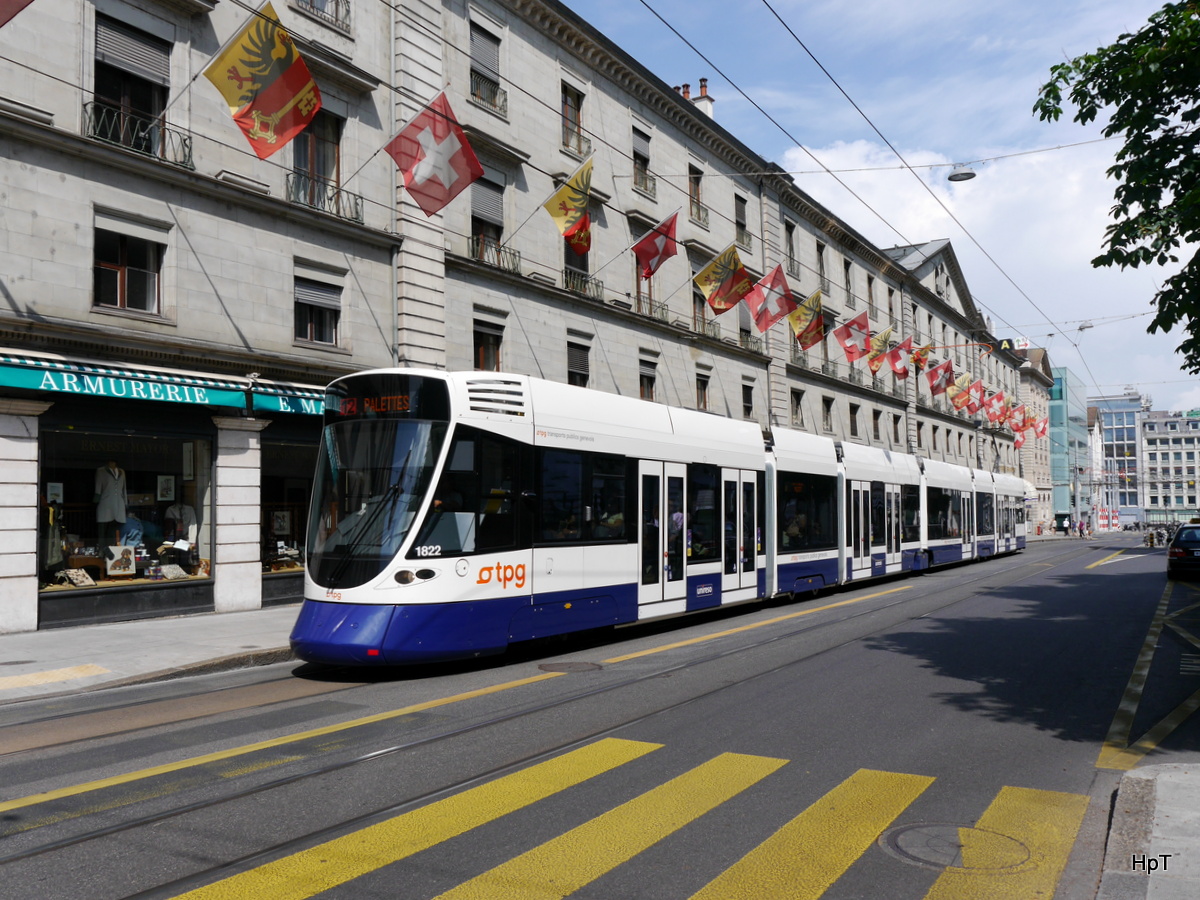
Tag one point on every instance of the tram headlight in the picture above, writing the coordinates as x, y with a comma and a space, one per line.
405, 576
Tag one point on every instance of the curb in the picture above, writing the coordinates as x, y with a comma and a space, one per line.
1128, 836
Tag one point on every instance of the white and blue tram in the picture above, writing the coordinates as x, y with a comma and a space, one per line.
456, 513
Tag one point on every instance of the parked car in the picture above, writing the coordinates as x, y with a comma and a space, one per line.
1183, 553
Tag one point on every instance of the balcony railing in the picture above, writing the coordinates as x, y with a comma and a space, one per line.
855, 376
488, 250
830, 369
583, 283
698, 213
575, 141
319, 193
653, 309
645, 182
707, 327
149, 137
487, 93
750, 342
798, 357
793, 268
335, 12
744, 238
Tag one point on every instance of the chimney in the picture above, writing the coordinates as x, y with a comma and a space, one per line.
704, 102
687, 92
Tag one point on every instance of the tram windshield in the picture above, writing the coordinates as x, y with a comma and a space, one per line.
377, 459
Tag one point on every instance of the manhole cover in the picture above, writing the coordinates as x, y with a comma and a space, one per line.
569, 667
939, 846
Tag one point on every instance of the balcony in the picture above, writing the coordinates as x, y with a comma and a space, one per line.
750, 342
744, 238
575, 141
798, 357
645, 182
489, 251
793, 268
698, 213
653, 309
583, 283
319, 193
855, 376
830, 369
486, 92
707, 327
149, 137
333, 12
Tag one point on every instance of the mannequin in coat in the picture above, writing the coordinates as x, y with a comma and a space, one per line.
110, 501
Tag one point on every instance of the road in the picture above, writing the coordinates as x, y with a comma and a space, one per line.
953, 735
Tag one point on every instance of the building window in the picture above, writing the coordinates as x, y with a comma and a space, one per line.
854, 408
572, 122
896, 428
487, 346
823, 282
697, 211
876, 424
577, 364
485, 71
132, 77
487, 224
741, 232
920, 435
891, 295
789, 249
642, 179
871, 296
125, 272
747, 401
316, 168
646, 377
827, 413
702, 392
798, 409
847, 279
318, 311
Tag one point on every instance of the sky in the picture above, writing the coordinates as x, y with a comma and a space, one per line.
944, 82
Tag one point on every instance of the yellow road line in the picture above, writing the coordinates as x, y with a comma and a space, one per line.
1101, 562
50, 676
568, 862
1046, 822
262, 745
807, 855
321, 868
726, 633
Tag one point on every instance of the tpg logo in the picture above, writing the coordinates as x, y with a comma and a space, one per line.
505, 575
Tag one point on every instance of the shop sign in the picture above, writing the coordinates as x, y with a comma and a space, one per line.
289, 403
99, 383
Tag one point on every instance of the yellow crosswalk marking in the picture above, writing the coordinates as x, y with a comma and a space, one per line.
807, 855
50, 676
565, 864
335, 862
1046, 822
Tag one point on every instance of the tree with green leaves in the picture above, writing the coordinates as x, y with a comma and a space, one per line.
1150, 83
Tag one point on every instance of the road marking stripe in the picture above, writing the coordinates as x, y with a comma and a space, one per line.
321, 868
1101, 562
568, 862
807, 855
232, 752
727, 632
1046, 822
50, 676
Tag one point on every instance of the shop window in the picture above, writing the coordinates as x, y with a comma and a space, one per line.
318, 311
118, 510
125, 272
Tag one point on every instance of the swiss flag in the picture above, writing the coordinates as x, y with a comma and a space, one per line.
975, 397
657, 246
993, 406
434, 156
1019, 440
897, 355
940, 377
770, 300
1041, 427
855, 337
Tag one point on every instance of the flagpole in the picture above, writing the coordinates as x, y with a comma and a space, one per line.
225, 46
547, 200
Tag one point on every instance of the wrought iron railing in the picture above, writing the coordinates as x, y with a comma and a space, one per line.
583, 283
487, 93
335, 12
489, 250
793, 268
855, 376
147, 136
830, 369
698, 213
575, 140
322, 194
653, 309
645, 182
707, 327
799, 357
750, 342
744, 238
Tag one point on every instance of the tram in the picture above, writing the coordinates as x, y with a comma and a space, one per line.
454, 514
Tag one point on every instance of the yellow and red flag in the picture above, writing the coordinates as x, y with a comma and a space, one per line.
959, 393
568, 208
808, 322
877, 355
724, 281
920, 357
266, 84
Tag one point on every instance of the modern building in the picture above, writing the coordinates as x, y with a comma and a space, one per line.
1120, 423
1069, 455
1170, 442
174, 304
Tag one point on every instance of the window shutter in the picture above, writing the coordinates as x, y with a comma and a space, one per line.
577, 358
485, 52
315, 293
487, 202
641, 144
133, 51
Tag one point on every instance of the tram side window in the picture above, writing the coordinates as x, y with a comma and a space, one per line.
878, 527
943, 505
703, 522
561, 495
583, 497
807, 512
985, 513
474, 505
910, 502
608, 498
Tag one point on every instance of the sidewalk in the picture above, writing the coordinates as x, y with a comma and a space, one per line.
1153, 850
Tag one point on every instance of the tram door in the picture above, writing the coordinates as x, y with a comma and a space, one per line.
662, 532
858, 525
739, 527
967, 517
892, 505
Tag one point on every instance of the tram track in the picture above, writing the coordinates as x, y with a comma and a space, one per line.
956, 585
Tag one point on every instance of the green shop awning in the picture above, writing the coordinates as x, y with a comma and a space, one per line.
278, 398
